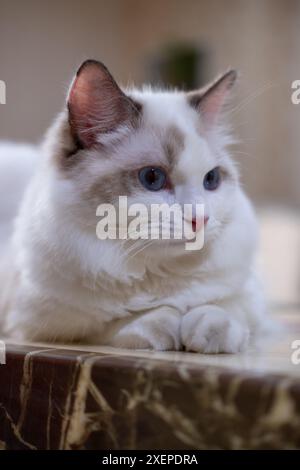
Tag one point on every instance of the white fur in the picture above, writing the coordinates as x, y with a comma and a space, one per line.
17, 163
68, 285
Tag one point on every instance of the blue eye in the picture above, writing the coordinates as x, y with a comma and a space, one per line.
153, 179
212, 179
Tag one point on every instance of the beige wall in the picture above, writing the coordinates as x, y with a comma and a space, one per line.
41, 42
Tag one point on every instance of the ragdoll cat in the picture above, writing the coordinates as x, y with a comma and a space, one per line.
153, 146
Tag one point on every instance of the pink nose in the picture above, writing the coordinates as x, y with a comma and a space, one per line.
197, 223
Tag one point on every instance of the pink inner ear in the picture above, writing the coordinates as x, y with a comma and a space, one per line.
96, 103
81, 109
211, 102
212, 105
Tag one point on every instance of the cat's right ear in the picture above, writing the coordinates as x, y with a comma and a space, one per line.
210, 101
97, 105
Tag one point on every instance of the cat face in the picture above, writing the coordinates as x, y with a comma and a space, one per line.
154, 147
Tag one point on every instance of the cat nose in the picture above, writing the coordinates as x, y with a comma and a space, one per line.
197, 223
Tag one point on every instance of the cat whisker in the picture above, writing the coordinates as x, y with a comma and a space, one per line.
146, 245
251, 98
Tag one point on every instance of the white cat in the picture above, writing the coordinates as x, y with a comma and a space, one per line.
65, 284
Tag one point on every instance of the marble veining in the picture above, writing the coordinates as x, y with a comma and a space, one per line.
61, 397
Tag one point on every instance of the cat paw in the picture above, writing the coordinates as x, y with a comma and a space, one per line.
159, 332
210, 329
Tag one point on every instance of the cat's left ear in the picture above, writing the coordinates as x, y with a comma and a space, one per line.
210, 101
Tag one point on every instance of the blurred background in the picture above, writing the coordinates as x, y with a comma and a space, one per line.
183, 43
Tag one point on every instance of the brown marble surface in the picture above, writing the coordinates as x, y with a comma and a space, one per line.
66, 397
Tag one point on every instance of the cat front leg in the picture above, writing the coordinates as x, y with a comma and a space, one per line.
211, 329
157, 330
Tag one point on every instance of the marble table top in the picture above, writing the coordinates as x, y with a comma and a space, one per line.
79, 397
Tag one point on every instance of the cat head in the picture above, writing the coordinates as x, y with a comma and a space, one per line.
152, 146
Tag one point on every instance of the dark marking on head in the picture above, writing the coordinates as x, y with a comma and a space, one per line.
173, 145
109, 187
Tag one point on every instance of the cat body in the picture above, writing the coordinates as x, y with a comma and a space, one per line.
67, 285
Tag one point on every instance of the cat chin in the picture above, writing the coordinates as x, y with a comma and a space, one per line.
166, 248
